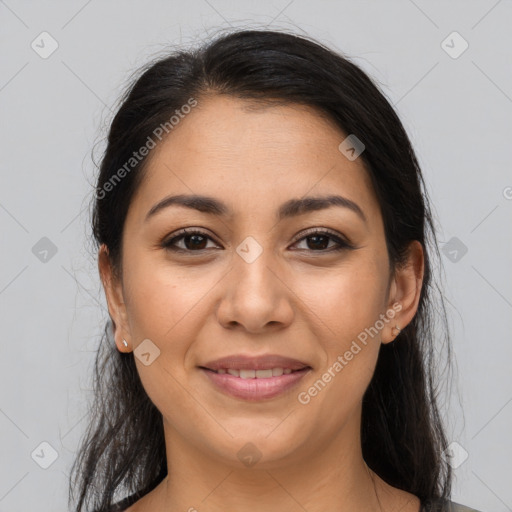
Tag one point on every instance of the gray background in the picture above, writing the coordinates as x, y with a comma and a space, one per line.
53, 110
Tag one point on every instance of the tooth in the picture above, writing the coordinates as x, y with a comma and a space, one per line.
247, 374
234, 372
277, 372
221, 370
263, 374
286, 371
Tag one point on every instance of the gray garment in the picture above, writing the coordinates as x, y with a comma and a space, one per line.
457, 507
447, 506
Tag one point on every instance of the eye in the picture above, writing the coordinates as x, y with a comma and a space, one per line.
193, 240
317, 240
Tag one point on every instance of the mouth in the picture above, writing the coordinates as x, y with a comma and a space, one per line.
255, 378
253, 373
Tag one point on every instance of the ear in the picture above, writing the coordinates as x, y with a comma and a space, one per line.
115, 300
405, 291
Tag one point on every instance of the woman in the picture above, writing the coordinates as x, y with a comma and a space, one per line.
263, 237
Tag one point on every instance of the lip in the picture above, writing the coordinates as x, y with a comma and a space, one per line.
246, 362
255, 389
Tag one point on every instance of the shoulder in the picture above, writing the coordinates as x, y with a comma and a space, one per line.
457, 507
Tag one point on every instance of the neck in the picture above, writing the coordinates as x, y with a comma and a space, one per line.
332, 477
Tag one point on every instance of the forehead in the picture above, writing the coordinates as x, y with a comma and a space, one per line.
250, 154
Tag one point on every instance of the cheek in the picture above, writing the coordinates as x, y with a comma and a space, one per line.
166, 308
347, 300
348, 305
163, 301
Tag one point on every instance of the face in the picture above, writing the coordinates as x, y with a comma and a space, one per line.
256, 275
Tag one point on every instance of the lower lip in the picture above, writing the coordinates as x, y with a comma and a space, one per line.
255, 389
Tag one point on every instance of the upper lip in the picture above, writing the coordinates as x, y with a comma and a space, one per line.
246, 362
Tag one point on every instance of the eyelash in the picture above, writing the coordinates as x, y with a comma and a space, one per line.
342, 244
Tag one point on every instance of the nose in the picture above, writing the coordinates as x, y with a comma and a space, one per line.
256, 296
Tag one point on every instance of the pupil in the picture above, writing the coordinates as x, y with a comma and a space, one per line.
195, 244
315, 239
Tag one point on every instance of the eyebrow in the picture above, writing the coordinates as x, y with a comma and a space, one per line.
290, 208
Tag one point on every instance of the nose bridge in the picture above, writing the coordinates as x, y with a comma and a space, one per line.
255, 296
251, 262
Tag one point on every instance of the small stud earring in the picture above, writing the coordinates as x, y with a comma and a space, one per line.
398, 329
125, 343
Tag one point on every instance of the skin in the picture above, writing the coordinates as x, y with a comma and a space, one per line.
295, 299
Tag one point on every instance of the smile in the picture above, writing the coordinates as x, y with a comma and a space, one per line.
255, 374
254, 385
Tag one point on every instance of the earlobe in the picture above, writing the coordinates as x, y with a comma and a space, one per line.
396, 331
406, 291
115, 300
